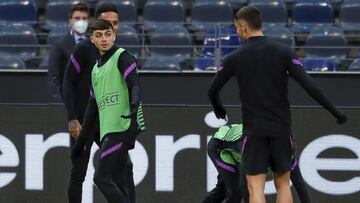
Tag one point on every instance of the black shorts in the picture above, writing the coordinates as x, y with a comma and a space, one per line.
260, 153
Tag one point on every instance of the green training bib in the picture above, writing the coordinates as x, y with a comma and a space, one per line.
111, 94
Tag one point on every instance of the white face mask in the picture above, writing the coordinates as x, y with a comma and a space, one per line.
80, 26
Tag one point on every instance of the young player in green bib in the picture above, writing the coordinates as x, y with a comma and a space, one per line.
225, 150
116, 97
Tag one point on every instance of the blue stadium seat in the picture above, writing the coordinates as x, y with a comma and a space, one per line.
57, 11
235, 4
23, 11
280, 34
41, 4
205, 63
350, 15
355, 65
273, 11
127, 10
321, 43
128, 39
225, 38
161, 64
308, 14
205, 14
163, 12
56, 32
44, 64
11, 62
319, 65
171, 41
330, 1
18, 40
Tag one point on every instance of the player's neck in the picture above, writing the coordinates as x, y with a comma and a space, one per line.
258, 33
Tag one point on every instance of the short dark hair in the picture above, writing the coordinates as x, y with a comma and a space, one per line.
251, 15
105, 7
101, 25
78, 7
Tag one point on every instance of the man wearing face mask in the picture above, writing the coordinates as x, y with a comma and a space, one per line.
61, 49
76, 89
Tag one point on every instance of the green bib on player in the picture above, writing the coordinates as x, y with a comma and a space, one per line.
111, 94
230, 133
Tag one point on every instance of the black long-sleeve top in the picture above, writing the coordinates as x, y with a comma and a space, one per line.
59, 55
128, 68
261, 67
77, 79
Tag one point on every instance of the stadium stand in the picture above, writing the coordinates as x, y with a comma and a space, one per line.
127, 9
319, 65
292, 22
223, 37
57, 12
273, 11
280, 34
161, 64
307, 14
56, 32
162, 12
17, 39
207, 13
350, 15
11, 62
171, 41
129, 39
326, 42
355, 65
23, 11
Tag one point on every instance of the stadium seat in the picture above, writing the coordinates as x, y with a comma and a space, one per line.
171, 41
128, 39
44, 63
330, 1
319, 65
355, 65
162, 12
161, 64
235, 4
23, 11
57, 11
307, 14
280, 34
225, 38
56, 32
126, 9
18, 40
350, 15
321, 42
41, 4
11, 62
206, 14
273, 11
205, 63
